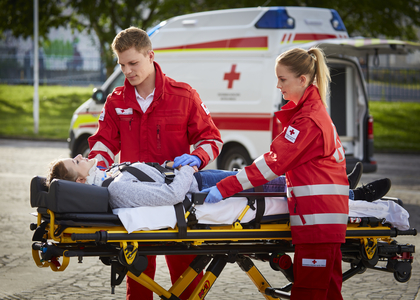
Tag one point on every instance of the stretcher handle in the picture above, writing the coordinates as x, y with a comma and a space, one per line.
98, 236
398, 232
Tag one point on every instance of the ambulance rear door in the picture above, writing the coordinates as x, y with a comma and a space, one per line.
348, 100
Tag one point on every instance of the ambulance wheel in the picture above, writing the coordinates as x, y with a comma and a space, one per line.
235, 158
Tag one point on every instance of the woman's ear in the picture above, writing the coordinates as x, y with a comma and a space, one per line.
81, 179
303, 80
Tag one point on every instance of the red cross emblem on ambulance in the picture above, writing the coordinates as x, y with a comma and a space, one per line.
230, 77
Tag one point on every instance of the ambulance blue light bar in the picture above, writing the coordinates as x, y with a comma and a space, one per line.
276, 18
336, 21
156, 28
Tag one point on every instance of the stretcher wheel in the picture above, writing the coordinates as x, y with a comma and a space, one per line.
402, 277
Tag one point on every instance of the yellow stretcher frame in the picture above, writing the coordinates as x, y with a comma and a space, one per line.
273, 236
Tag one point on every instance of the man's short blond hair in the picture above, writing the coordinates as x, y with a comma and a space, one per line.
132, 37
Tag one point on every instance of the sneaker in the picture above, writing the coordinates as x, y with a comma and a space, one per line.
355, 175
373, 191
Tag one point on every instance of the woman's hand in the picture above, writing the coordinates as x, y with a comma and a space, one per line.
213, 196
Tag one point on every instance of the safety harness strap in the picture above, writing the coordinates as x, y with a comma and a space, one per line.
260, 207
167, 173
180, 218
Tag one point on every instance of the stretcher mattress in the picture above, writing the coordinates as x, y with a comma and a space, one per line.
227, 211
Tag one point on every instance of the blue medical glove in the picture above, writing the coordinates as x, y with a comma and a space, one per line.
213, 195
187, 159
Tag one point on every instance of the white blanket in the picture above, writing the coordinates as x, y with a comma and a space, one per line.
227, 212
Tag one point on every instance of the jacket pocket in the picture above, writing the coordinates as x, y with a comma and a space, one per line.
126, 123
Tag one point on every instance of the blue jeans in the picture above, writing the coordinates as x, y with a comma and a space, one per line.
209, 178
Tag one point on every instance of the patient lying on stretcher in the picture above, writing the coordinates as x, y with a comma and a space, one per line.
127, 191
137, 203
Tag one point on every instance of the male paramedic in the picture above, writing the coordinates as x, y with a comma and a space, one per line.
153, 118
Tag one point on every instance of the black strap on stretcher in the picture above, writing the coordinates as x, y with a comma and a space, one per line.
169, 177
260, 207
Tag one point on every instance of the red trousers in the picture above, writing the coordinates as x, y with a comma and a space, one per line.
317, 272
177, 264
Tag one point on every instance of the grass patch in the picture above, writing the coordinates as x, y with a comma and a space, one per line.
56, 107
396, 126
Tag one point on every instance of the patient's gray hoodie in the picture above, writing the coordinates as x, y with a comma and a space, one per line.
127, 191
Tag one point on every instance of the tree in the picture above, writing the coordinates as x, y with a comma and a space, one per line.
390, 18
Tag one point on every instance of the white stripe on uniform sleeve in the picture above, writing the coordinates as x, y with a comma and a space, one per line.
264, 169
209, 150
243, 180
99, 146
207, 147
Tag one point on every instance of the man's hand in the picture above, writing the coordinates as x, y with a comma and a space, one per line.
187, 159
170, 164
213, 196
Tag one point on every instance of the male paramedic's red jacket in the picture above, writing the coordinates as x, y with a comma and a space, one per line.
309, 151
175, 120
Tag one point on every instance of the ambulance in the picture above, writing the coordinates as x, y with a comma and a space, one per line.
228, 56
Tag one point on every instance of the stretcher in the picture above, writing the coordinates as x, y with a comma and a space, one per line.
74, 220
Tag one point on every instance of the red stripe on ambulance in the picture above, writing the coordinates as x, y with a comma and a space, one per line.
313, 36
250, 42
242, 121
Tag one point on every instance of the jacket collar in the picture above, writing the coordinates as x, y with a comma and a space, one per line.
290, 109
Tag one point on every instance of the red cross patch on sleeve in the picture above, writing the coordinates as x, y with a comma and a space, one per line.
291, 134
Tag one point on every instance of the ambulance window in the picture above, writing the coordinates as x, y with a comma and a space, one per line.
276, 18
119, 81
338, 98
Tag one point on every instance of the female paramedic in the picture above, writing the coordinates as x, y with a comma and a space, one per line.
310, 153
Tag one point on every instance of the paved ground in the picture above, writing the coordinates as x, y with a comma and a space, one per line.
21, 279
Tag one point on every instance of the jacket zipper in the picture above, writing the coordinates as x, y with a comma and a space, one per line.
129, 124
158, 136
297, 210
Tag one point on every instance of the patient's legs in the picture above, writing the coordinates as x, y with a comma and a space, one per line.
209, 178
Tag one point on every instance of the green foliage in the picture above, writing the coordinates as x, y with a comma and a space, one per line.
56, 107
396, 125
18, 16
391, 18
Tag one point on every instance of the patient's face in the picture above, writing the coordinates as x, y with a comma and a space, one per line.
79, 164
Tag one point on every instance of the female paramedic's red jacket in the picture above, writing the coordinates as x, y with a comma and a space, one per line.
309, 151
175, 120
